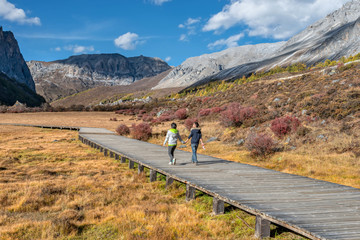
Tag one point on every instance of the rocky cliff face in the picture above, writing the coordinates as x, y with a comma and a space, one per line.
196, 68
62, 78
334, 36
12, 62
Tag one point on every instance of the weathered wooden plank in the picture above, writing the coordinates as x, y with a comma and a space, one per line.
169, 181
262, 228
190, 192
218, 206
140, 169
153, 175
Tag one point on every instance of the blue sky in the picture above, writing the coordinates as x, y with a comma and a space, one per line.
172, 30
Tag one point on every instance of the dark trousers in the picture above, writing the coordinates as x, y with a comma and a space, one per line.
171, 150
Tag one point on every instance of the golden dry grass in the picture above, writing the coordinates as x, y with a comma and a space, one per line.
54, 187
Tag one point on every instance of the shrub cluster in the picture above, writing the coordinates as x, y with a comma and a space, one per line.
123, 130
204, 112
181, 114
260, 144
284, 125
141, 131
235, 115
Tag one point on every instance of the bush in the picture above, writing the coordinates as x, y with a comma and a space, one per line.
147, 118
123, 130
181, 114
189, 123
141, 132
235, 115
260, 144
204, 112
215, 110
285, 125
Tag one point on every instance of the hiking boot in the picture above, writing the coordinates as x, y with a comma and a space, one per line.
174, 161
196, 163
170, 163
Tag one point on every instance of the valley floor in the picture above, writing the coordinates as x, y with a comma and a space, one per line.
54, 187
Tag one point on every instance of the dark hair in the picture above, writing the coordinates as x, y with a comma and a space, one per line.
173, 125
196, 124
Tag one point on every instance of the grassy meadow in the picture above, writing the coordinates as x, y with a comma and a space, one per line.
54, 187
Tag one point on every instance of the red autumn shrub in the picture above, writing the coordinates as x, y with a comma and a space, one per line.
181, 114
215, 110
147, 118
166, 117
235, 115
141, 131
123, 130
260, 144
204, 112
284, 125
189, 123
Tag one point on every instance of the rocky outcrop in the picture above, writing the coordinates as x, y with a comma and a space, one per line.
196, 68
12, 63
62, 78
333, 37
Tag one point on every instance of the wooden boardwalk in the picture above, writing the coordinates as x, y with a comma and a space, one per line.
312, 208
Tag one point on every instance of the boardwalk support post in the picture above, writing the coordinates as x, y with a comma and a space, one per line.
140, 168
101, 149
105, 152
262, 228
190, 192
117, 157
218, 206
123, 159
153, 175
169, 181
111, 154
131, 164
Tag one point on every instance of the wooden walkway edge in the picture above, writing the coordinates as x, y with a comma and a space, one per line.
312, 208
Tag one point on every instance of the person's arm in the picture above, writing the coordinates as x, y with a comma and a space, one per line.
202, 143
190, 136
166, 138
179, 137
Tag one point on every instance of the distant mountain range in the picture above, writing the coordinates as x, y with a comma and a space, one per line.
334, 36
62, 78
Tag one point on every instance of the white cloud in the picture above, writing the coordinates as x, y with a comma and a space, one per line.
77, 49
190, 25
229, 42
277, 19
128, 41
167, 59
58, 49
183, 38
159, 2
9, 12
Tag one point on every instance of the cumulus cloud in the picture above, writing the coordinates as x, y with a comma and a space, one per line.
159, 2
167, 59
278, 19
9, 12
76, 49
229, 42
128, 41
190, 25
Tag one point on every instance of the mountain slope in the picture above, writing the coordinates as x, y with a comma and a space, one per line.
12, 91
96, 95
331, 38
196, 68
62, 78
12, 62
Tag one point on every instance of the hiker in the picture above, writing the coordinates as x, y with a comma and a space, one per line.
171, 137
196, 137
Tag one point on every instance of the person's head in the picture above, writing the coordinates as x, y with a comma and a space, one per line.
173, 125
196, 125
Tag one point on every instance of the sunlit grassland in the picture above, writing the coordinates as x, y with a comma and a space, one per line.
54, 187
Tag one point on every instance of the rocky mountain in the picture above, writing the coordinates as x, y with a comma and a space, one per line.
12, 63
12, 91
62, 78
196, 68
334, 36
